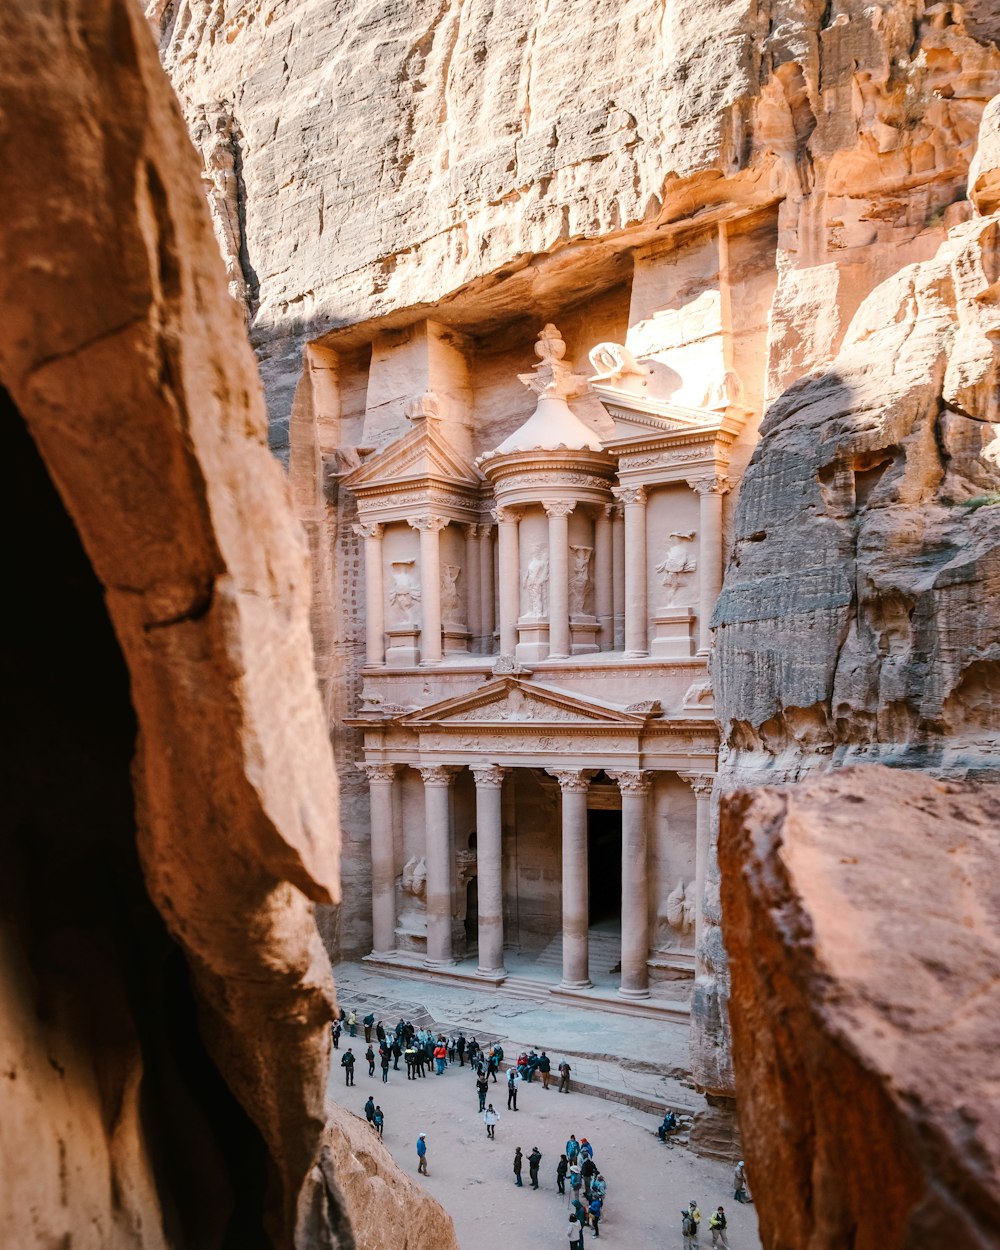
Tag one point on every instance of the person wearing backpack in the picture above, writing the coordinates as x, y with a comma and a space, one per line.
689, 1229
368, 1021
717, 1227
370, 1109
534, 1162
564, 1071
347, 1063
378, 1120
562, 1167
370, 1056
594, 1211
490, 1119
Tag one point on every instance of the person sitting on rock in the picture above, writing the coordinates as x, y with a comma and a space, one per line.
670, 1125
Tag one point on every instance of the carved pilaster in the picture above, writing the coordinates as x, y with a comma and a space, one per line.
368, 529
700, 783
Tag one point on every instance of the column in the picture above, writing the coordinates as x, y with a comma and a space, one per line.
558, 510
437, 821
603, 588
701, 784
489, 783
381, 783
618, 576
710, 491
430, 528
510, 577
486, 585
374, 594
575, 878
636, 623
635, 884
473, 597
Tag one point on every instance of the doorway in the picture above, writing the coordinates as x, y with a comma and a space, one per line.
472, 915
604, 845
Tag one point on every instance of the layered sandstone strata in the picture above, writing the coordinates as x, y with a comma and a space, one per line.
864, 1007
170, 807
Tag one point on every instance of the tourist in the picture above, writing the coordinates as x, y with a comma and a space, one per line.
336, 1031
572, 1148
717, 1227
562, 1167
368, 1021
586, 1149
385, 1064
410, 1058
380, 1032
545, 1067
490, 1119
512, 1080
580, 1211
370, 1109
378, 1120
440, 1057
482, 1088
575, 1233
517, 1167
370, 1056
670, 1125
419, 1059
695, 1211
594, 1211
564, 1071
588, 1170
452, 1052
422, 1153
599, 1188
396, 1051
460, 1047
742, 1189
534, 1160
347, 1063
352, 1024
575, 1179
689, 1229
472, 1050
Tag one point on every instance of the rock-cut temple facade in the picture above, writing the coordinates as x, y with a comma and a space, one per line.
529, 550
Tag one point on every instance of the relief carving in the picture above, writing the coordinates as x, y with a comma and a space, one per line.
452, 609
579, 580
677, 565
535, 583
404, 594
677, 920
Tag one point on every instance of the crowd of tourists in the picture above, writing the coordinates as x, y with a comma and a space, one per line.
577, 1175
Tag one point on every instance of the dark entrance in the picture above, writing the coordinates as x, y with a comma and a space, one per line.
472, 914
604, 839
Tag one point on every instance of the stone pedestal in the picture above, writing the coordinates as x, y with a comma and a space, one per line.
674, 637
456, 639
532, 640
404, 646
585, 634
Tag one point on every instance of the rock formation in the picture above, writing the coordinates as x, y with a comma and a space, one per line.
864, 1007
170, 802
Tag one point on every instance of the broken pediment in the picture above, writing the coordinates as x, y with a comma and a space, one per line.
513, 700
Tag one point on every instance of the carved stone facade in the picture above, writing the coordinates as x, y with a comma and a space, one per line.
535, 613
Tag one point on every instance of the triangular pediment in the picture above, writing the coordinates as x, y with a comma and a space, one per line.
636, 417
514, 700
422, 455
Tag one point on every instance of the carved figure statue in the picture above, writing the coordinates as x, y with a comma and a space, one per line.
680, 909
451, 603
579, 580
415, 878
405, 592
677, 564
612, 362
535, 583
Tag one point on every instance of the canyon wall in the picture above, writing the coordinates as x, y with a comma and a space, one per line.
170, 814
493, 164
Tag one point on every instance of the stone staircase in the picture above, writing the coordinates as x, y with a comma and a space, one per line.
605, 953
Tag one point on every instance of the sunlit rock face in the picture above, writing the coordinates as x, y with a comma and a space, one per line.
781, 214
864, 1006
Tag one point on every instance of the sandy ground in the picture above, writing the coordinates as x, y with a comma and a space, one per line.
471, 1176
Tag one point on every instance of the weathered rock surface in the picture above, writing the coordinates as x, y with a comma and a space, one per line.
864, 1007
385, 1207
158, 943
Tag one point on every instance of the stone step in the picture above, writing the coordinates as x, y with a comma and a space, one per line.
604, 950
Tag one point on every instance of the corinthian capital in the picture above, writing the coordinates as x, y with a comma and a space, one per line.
437, 774
700, 783
571, 778
714, 485
632, 782
370, 529
427, 522
504, 514
629, 494
558, 507
378, 772
489, 777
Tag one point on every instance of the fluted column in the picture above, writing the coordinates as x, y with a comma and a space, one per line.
558, 510
374, 593
575, 878
710, 491
381, 782
486, 585
701, 784
510, 577
437, 834
430, 528
636, 612
618, 576
489, 784
603, 588
635, 884
474, 610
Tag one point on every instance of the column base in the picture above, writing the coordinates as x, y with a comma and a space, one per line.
632, 994
576, 985
635, 655
439, 965
492, 974
383, 954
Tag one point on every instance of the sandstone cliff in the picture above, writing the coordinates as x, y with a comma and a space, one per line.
170, 802
864, 1008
